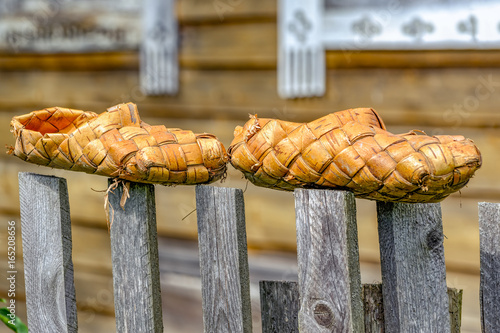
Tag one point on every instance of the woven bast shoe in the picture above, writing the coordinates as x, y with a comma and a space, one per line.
117, 143
352, 150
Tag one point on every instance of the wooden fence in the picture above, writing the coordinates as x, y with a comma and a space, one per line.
328, 297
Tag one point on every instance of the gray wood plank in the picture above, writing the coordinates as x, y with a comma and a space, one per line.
489, 236
373, 307
48, 267
158, 62
134, 252
413, 269
223, 260
279, 302
328, 259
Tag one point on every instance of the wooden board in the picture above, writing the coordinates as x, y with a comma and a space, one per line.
223, 260
134, 253
455, 297
413, 269
489, 218
373, 308
280, 306
245, 46
107, 61
48, 267
403, 97
328, 260
412, 59
221, 11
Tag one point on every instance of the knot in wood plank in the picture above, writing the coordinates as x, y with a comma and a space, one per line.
434, 239
323, 314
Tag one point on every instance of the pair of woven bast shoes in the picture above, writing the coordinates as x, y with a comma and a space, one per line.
348, 150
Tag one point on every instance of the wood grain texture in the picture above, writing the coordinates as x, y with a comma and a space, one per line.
48, 267
225, 11
279, 303
252, 45
413, 269
455, 308
328, 260
373, 307
134, 252
205, 93
223, 260
489, 234
102, 61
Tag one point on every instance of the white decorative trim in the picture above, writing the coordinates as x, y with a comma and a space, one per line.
450, 26
159, 63
301, 56
307, 29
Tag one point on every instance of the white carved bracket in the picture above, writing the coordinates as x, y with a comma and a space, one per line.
301, 56
159, 61
308, 28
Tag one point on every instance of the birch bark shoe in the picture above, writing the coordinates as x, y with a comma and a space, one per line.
352, 150
117, 143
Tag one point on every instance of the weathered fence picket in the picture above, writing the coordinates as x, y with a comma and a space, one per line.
329, 296
223, 260
413, 269
328, 260
279, 301
373, 308
134, 252
455, 302
489, 232
48, 267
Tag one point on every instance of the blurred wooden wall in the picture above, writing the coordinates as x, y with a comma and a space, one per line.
228, 70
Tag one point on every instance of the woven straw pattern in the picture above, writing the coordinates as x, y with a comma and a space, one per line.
352, 150
117, 144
